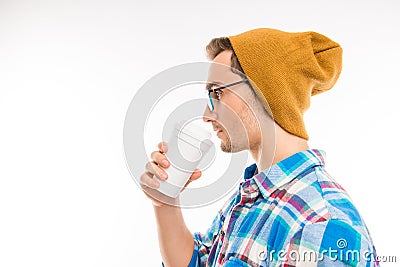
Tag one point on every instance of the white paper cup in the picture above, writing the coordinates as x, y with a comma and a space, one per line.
188, 144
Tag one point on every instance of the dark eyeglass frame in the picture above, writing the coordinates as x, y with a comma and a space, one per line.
215, 90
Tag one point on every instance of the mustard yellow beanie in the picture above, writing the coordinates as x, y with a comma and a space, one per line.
286, 69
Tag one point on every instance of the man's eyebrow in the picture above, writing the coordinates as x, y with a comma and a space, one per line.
213, 83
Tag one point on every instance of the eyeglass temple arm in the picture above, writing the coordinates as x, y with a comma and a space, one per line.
228, 85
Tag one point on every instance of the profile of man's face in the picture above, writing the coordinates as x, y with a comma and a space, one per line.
232, 117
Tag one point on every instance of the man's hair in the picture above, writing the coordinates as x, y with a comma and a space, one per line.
218, 45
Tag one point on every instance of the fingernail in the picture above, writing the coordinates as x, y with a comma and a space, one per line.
164, 162
164, 146
164, 176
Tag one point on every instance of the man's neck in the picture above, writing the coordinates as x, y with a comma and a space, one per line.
269, 152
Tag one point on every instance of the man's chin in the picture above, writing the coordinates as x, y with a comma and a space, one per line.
226, 147
229, 148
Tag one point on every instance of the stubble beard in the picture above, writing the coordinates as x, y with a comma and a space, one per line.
234, 143
226, 146
230, 146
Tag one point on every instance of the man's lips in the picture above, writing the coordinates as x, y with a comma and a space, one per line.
217, 130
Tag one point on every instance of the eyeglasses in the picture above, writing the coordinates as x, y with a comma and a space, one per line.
215, 93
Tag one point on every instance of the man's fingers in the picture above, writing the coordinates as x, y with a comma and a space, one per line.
147, 180
163, 147
160, 159
153, 168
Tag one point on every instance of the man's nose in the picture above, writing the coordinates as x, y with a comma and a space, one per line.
209, 116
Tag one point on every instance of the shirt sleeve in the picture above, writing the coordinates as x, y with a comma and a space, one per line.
330, 243
204, 243
193, 261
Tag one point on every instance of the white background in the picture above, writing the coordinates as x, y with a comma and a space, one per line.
69, 69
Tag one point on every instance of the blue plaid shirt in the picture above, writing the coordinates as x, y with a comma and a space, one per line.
292, 214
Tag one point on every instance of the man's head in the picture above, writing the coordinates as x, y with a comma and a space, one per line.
237, 111
284, 70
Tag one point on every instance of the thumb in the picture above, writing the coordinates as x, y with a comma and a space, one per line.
195, 175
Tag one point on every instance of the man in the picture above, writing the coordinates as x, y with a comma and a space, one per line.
288, 211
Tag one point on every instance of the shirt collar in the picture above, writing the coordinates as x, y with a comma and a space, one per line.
284, 171
250, 171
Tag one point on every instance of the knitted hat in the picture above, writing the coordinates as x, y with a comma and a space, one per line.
286, 69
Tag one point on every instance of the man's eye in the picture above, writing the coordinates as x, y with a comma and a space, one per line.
218, 94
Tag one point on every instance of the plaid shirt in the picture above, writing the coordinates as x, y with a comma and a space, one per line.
294, 213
